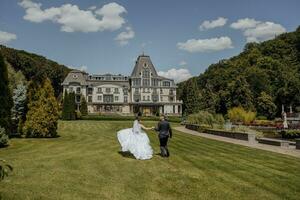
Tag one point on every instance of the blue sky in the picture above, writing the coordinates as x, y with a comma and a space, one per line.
107, 36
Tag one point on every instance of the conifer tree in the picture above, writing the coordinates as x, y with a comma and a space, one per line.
83, 107
66, 104
72, 106
5, 97
42, 116
192, 101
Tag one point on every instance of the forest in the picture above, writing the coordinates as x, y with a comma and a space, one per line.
262, 78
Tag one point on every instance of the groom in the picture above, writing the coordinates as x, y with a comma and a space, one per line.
164, 132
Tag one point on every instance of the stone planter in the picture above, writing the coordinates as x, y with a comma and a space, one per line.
250, 137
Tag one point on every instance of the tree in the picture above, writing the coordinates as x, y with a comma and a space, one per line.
265, 106
19, 108
5, 97
83, 107
192, 99
66, 105
42, 116
72, 106
240, 94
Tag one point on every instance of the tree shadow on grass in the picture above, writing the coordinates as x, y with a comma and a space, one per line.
126, 154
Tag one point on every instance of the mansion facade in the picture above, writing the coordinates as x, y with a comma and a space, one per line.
143, 91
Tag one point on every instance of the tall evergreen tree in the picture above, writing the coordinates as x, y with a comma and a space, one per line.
5, 97
72, 106
192, 98
83, 106
18, 110
66, 105
42, 116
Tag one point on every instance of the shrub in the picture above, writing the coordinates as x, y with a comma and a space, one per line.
239, 115
290, 134
78, 115
3, 137
261, 118
206, 118
83, 106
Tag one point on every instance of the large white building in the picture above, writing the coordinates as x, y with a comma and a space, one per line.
144, 91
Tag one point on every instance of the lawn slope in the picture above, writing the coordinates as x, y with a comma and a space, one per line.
84, 163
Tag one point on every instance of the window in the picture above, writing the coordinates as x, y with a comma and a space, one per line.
108, 98
166, 83
171, 92
161, 91
99, 98
116, 90
146, 82
171, 99
116, 98
148, 98
89, 98
144, 98
107, 90
78, 98
125, 91
90, 90
71, 89
78, 90
75, 76
173, 109
99, 90
154, 82
146, 73
125, 99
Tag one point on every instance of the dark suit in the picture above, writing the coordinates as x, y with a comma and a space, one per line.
164, 132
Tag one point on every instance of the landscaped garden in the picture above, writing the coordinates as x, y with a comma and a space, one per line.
85, 163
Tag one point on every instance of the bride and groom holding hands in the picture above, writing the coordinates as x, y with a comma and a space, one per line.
136, 141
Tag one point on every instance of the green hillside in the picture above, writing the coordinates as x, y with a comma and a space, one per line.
264, 75
35, 67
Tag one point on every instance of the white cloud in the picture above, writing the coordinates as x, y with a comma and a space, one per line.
183, 63
124, 36
92, 8
206, 45
83, 68
178, 75
264, 31
257, 31
244, 23
6, 37
221, 21
72, 18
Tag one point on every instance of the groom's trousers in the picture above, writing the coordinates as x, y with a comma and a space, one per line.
164, 146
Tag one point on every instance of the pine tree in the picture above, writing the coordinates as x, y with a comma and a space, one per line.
66, 104
72, 106
5, 97
83, 107
18, 110
192, 101
42, 116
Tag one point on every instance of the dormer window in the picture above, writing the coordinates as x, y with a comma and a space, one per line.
145, 65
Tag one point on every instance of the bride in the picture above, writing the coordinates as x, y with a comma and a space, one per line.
136, 141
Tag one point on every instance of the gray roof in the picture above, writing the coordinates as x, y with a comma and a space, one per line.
75, 76
142, 62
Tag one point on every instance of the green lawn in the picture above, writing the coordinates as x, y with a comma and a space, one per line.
84, 163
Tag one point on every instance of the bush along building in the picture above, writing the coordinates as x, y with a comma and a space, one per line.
144, 91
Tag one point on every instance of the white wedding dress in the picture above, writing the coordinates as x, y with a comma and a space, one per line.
135, 141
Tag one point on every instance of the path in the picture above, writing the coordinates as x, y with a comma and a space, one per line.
291, 151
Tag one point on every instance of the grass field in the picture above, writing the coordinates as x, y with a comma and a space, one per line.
84, 163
